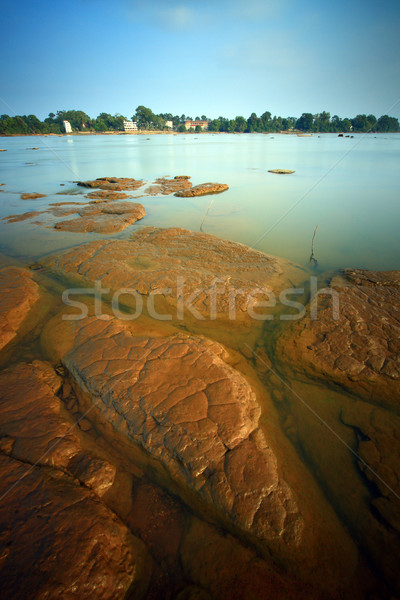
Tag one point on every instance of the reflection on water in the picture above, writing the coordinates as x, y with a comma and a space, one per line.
348, 187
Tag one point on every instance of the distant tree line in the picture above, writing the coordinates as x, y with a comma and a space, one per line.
146, 120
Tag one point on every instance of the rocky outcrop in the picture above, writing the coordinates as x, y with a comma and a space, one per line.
166, 186
58, 540
102, 217
106, 195
18, 294
360, 349
113, 184
179, 400
22, 216
192, 273
32, 196
281, 171
203, 190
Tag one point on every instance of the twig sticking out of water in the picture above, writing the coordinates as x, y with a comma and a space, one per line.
313, 260
205, 216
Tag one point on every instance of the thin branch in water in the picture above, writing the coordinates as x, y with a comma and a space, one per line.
313, 260
205, 216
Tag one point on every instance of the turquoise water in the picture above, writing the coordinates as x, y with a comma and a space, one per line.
346, 186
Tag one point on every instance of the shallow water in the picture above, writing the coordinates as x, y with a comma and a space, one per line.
348, 187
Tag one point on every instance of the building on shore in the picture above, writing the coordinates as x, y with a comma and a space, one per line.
67, 127
130, 126
169, 124
194, 124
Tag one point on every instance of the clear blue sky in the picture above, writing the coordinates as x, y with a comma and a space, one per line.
219, 57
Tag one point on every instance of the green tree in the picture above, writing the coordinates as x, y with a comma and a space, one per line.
198, 128
305, 122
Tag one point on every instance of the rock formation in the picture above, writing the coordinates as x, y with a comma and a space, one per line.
18, 294
203, 190
102, 217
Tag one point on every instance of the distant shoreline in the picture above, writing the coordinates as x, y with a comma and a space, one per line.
155, 132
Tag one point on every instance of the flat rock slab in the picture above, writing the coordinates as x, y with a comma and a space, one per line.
106, 195
18, 294
104, 218
22, 217
35, 430
361, 349
113, 184
203, 190
57, 538
179, 400
32, 196
166, 186
205, 272
58, 541
281, 171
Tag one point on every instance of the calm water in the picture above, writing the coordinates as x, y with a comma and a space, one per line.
348, 187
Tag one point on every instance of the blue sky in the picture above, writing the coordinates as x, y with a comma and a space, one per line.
211, 57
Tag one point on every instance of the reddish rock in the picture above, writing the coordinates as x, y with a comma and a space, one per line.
32, 196
196, 415
22, 217
166, 186
210, 274
106, 195
203, 190
360, 349
58, 541
104, 218
113, 184
18, 294
32, 415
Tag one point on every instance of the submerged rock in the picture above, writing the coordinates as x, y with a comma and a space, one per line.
32, 196
18, 294
106, 195
190, 272
203, 190
58, 540
166, 186
361, 348
113, 184
179, 400
102, 217
22, 217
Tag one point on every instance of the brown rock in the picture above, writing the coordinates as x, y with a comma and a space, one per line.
18, 293
104, 218
203, 189
166, 186
114, 184
281, 171
22, 217
360, 349
178, 266
57, 538
106, 195
193, 413
58, 541
32, 196
32, 415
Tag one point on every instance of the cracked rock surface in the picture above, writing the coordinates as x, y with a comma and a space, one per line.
360, 350
184, 405
18, 294
181, 266
57, 539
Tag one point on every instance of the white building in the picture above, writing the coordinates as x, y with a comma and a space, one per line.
169, 124
130, 126
67, 127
